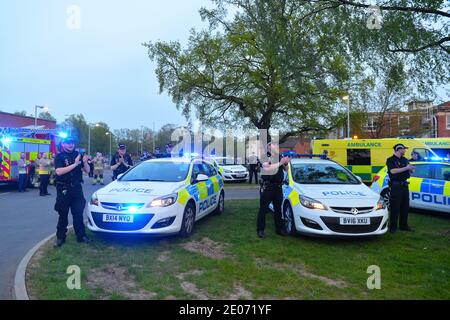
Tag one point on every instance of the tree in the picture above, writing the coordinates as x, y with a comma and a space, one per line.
46, 116
267, 67
21, 113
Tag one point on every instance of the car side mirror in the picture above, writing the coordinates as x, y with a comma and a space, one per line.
201, 177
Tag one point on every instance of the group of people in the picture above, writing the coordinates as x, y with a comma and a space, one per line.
41, 172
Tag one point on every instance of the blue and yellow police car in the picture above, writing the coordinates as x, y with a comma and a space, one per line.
159, 196
429, 185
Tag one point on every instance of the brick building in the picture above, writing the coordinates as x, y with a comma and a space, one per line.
441, 120
18, 121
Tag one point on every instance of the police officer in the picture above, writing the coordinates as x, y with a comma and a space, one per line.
399, 171
272, 176
253, 162
121, 161
69, 167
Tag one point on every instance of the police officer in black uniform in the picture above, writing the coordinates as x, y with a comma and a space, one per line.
121, 161
272, 176
399, 171
69, 166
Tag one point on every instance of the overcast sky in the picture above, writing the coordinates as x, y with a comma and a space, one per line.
100, 69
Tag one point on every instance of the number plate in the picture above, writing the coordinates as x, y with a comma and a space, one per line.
354, 221
118, 218
241, 175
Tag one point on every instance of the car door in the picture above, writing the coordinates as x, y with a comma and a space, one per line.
440, 187
420, 186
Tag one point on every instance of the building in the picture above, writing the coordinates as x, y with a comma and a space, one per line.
9, 120
440, 120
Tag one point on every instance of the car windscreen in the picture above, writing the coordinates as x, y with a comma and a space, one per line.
309, 173
158, 171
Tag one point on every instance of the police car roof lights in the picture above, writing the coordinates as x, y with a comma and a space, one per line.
297, 155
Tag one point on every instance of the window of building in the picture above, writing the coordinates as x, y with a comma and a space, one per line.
358, 157
448, 121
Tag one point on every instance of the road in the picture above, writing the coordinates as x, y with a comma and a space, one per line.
27, 218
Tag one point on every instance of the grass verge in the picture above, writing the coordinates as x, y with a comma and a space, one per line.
225, 260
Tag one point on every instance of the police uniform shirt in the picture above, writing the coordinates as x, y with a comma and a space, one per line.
276, 178
121, 168
395, 162
65, 159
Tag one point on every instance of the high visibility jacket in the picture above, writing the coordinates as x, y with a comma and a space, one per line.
44, 166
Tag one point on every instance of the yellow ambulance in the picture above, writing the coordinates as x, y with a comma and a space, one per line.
366, 157
441, 146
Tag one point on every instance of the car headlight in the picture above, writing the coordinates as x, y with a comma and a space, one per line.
164, 201
381, 204
94, 199
311, 203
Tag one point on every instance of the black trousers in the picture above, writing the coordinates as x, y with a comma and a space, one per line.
270, 194
253, 170
22, 182
44, 183
399, 205
70, 198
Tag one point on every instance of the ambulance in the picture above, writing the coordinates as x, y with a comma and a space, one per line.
366, 157
14, 141
441, 146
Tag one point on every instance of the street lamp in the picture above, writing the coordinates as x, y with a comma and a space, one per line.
347, 99
35, 113
110, 144
89, 135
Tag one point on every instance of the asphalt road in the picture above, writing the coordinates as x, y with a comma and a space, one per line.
27, 218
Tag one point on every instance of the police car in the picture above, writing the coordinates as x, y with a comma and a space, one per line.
429, 186
160, 196
229, 170
321, 197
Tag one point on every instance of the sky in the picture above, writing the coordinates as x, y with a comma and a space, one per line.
97, 67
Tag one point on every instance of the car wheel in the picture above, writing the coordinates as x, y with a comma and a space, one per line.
289, 223
221, 205
187, 227
386, 195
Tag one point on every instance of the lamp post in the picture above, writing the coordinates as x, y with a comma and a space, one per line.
89, 135
35, 113
110, 144
347, 99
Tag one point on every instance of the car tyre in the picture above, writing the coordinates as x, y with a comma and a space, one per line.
187, 226
289, 222
221, 205
386, 195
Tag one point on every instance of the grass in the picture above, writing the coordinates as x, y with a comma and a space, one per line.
234, 263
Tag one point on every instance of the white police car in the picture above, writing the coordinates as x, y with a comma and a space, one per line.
323, 198
229, 170
160, 196
429, 185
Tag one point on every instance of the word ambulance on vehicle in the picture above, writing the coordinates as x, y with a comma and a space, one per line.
159, 196
366, 157
324, 198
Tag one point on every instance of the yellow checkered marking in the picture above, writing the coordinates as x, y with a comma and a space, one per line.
215, 184
203, 190
294, 197
183, 197
415, 184
447, 189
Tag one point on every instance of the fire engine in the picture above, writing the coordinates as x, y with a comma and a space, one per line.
14, 141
